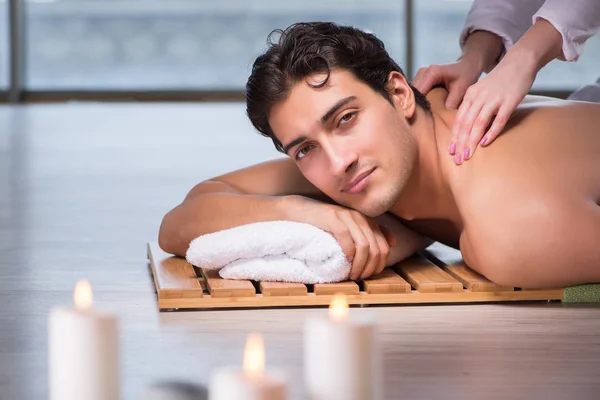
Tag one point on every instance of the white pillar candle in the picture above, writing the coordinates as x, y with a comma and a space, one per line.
251, 382
341, 356
83, 350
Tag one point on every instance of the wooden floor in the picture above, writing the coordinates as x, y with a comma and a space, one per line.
83, 188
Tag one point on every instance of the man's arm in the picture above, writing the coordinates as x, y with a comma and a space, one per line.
252, 194
276, 190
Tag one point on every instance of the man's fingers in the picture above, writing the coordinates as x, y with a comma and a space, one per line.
361, 245
498, 125
384, 248
389, 236
370, 230
344, 238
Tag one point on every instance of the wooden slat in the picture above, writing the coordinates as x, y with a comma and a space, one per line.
219, 287
347, 287
472, 280
209, 302
174, 277
386, 282
283, 289
427, 277
451, 261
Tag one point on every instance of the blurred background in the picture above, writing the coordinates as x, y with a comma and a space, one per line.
203, 49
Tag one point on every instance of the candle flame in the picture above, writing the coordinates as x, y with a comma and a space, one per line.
338, 309
83, 295
254, 355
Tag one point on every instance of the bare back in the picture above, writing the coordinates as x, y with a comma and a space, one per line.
548, 145
534, 192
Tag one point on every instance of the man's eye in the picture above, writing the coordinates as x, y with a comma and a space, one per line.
303, 151
347, 118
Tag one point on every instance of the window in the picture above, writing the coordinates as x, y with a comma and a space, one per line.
176, 44
437, 26
4, 53
560, 75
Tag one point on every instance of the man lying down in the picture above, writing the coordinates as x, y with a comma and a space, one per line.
368, 163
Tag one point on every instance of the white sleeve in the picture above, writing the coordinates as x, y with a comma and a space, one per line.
576, 20
509, 19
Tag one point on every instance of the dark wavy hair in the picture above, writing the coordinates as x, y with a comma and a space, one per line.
307, 48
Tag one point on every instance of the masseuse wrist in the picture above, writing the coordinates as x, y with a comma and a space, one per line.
541, 44
482, 50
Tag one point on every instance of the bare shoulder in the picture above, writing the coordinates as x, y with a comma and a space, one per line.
277, 177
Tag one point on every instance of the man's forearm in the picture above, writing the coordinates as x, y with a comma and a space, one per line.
483, 49
212, 212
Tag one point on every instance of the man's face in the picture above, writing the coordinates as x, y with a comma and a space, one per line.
347, 140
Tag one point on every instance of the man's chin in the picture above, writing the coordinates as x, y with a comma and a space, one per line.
372, 207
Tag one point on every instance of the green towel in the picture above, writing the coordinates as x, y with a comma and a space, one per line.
589, 293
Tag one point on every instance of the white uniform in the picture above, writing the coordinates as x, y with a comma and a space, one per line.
575, 20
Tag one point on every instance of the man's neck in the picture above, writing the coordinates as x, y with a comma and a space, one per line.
427, 194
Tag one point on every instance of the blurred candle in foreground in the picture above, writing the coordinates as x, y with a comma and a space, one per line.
251, 382
341, 356
83, 359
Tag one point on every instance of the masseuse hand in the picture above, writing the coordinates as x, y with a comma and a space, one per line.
496, 95
491, 100
456, 78
365, 243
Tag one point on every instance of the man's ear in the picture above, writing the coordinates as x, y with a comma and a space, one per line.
401, 94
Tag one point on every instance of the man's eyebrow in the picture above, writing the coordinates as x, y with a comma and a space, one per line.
324, 120
336, 107
294, 142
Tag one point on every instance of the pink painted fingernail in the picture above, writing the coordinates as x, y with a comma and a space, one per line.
467, 153
483, 141
457, 159
452, 148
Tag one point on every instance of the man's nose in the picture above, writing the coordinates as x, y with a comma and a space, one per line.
342, 158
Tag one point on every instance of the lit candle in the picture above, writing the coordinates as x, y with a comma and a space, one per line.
251, 382
83, 350
341, 356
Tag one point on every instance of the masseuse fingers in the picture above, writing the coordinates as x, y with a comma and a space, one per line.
456, 93
468, 118
458, 125
428, 77
361, 244
499, 123
482, 121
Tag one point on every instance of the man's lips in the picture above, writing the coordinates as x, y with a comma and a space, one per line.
357, 184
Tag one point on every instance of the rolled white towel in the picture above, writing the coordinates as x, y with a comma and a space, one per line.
283, 251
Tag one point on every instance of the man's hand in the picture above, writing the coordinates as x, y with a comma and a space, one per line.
456, 77
365, 243
494, 97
